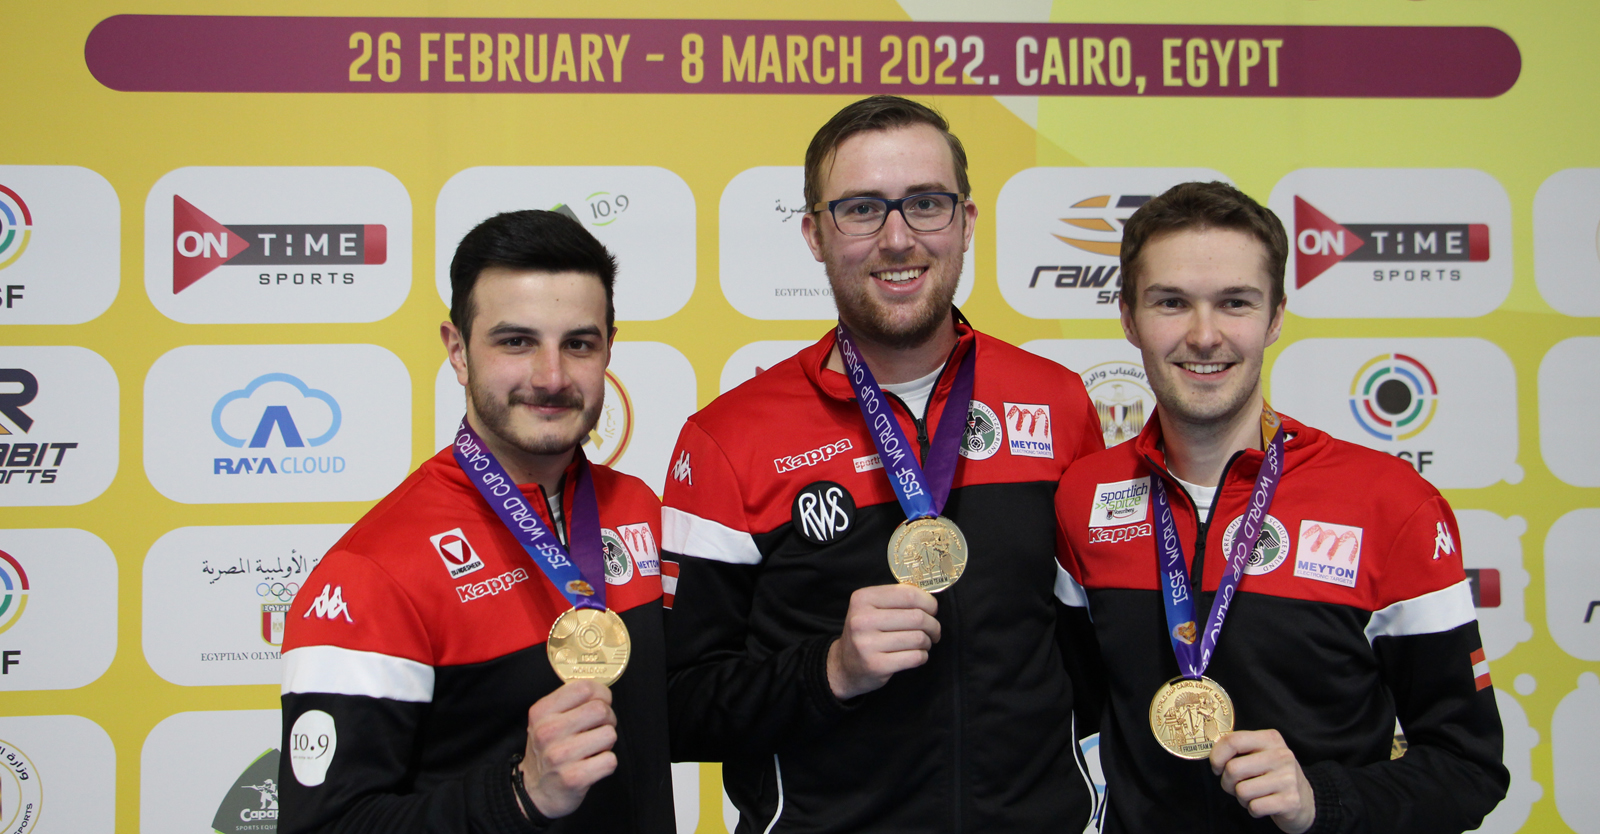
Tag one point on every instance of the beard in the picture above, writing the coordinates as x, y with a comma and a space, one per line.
1218, 410
917, 320
544, 437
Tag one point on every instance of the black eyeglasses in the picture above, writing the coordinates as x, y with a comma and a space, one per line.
930, 211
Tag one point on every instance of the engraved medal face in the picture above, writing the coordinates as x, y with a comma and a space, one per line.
1188, 716
589, 644
930, 553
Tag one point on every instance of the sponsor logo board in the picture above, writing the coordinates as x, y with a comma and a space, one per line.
215, 599
644, 215
767, 269
60, 244
752, 359
1569, 398
265, 244
1447, 407
58, 609
1058, 235
199, 771
57, 773
1566, 241
277, 423
650, 393
1113, 374
1572, 583
58, 436
1395, 242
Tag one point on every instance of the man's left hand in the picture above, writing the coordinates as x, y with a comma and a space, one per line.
1259, 770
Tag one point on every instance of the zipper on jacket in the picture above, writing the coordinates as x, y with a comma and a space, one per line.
920, 422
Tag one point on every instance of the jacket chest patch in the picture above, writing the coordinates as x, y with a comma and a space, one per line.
823, 511
1028, 430
981, 438
1328, 552
619, 568
1119, 503
1272, 548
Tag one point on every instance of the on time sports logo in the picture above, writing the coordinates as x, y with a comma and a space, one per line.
201, 244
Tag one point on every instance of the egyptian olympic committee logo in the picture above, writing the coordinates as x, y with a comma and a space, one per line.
611, 433
16, 226
13, 590
1393, 397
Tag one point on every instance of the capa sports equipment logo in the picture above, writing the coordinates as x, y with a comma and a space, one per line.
1395, 243
251, 804
1059, 235
201, 244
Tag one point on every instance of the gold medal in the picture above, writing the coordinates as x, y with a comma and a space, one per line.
930, 553
1188, 716
589, 644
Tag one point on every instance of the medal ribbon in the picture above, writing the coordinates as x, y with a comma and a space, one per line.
1193, 659
568, 572
922, 488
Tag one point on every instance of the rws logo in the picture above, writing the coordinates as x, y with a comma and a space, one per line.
823, 512
201, 244
276, 423
251, 804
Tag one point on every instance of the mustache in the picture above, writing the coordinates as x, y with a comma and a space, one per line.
547, 399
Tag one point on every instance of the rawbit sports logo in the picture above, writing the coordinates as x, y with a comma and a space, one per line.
1393, 397
1319, 243
40, 461
1096, 228
200, 244
281, 398
16, 226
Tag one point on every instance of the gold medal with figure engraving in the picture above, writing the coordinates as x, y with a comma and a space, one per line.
1189, 715
929, 553
589, 644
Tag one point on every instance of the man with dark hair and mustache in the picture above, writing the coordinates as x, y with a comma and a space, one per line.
867, 625
423, 684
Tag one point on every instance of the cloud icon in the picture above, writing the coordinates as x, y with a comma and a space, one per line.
275, 416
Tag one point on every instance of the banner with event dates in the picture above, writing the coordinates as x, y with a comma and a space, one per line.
224, 253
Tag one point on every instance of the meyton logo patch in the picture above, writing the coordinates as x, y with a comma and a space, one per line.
1028, 430
1120, 502
201, 244
641, 543
1319, 242
456, 552
1328, 552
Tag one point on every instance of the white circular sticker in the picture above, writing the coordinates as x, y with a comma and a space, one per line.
1271, 549
311, 746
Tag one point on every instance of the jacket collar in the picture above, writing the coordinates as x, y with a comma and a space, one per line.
1300, 442
814, 360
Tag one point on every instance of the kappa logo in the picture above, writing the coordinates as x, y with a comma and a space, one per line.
1329, 552
201, 244
1028, 430
1443, 543
1272, 547
329, 605
681, 471
823, 512
641, 543
821, 454
492, 586
1319, 243
456, 552
618, 566
981, 439
1117, 535
1119, 503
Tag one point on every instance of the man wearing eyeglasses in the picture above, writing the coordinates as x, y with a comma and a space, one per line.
867, 626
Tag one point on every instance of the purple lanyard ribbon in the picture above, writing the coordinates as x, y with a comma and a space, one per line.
1177, 595
569, 574
922, 489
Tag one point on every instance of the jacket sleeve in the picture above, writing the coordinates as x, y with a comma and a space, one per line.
1431, 658
356, 691
725, 698
1080, 649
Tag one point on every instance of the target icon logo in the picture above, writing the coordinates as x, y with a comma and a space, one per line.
1393, 397
16, 226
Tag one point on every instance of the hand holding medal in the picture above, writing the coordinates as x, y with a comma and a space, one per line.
1191, 712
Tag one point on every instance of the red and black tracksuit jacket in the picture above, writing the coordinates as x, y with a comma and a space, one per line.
428, 647
776, 511
1355, 611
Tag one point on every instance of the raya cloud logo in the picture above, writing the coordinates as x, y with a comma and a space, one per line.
263, 245
1395, 243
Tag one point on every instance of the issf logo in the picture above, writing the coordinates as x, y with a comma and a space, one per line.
13, 590
16, 226
1393, 397
276, 405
